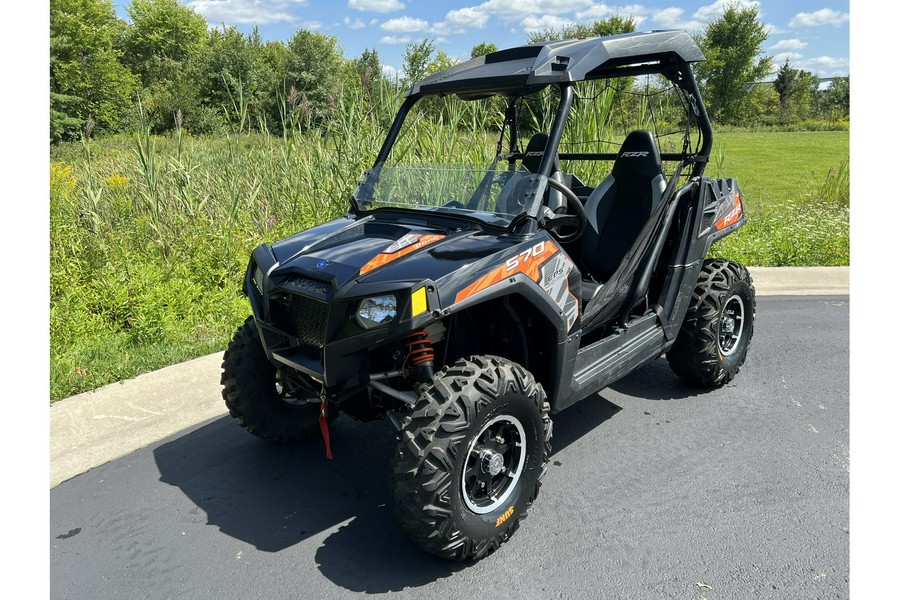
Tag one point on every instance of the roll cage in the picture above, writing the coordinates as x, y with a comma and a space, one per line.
526, 70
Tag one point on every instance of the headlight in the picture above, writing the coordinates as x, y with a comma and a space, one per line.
376, 311
257, 277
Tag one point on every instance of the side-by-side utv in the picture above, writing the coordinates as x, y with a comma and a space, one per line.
467, 297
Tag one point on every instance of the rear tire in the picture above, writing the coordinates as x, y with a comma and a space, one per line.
470, 457
715, 336
250, 393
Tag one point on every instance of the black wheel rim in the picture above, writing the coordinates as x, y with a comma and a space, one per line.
494, 463
731, 325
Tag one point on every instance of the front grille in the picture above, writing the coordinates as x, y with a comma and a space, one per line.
302, 317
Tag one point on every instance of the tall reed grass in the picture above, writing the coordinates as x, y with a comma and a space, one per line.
150, 235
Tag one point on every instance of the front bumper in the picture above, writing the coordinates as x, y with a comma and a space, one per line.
308, 325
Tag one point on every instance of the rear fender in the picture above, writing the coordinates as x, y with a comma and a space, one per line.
722, 211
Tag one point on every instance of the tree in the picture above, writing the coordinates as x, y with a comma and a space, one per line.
733, 47
234, 73
805, 96
613, 25
369, 63
162, 46
440, 62
483, 48
363, 71
86, 77
313, 63
835, 100
416, 58
797, 90
162, 37
785, 82
765, 105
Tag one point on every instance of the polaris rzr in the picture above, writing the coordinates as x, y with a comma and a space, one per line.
474, 287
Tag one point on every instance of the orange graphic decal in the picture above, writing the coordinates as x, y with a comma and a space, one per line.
386, 257
528, 262
733, 215
502, 518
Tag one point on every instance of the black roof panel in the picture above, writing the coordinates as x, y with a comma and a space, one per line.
516, 70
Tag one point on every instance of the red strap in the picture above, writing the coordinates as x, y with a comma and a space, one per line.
323, 425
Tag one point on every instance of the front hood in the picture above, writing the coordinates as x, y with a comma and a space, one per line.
345, 249
368, 250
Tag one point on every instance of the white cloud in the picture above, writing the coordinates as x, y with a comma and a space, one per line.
535, 15
774, 29
825, 66
249, 12
779, 59
467, 17
789, 45
825, 16
828, 62
532, 24
667, 16
379, 6
715, 10
595, 12
673, 18
354, 24
511, 11
405, 25
395, 39
460, 21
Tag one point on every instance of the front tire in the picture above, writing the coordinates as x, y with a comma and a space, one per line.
251, 393
470, 457
713, 341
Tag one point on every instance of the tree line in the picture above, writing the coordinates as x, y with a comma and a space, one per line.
166, 69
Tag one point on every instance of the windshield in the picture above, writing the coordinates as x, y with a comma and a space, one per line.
453, 156
493, 196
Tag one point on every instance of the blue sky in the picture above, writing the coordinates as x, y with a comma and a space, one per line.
813, 34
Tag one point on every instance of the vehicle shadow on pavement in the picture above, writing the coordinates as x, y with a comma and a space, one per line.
579, 420
275, 497
656, 381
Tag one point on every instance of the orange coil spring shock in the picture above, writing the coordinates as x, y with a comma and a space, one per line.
419, 348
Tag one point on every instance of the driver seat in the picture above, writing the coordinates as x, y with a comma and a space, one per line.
620, 206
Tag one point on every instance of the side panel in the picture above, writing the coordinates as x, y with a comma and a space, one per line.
596, 366
536, 268
713, 213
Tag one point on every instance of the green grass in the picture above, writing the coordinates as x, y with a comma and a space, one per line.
150, 235
774, 169
796, 192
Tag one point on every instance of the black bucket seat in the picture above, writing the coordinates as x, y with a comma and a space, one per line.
621, 205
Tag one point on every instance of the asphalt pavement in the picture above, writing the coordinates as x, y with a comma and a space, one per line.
95, 427
656, 490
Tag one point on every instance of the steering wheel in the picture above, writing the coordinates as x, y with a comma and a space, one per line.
558, 221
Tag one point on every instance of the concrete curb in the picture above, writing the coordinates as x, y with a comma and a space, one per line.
801, 281
96, 427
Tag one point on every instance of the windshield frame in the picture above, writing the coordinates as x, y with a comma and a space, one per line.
540, 185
